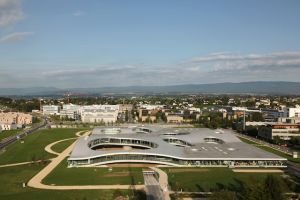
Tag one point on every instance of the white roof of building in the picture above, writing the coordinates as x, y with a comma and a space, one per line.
231, 147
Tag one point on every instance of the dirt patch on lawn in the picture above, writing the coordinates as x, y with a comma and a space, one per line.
117, 174
178, 170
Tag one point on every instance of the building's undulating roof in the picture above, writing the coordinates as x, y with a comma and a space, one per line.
182, 143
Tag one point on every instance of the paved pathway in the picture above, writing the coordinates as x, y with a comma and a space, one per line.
21, 163
152, 187
48, 147
163, 182
36, 181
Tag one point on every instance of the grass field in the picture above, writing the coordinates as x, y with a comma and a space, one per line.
271, 150
13, 177
33, 146
209, 179
62, 175
8, 133
61, 146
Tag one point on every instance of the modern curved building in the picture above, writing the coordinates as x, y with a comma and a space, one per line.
169, 146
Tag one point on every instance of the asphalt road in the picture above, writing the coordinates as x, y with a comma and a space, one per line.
7, 141
153, 189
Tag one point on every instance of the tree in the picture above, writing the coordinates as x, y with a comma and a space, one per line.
257, 117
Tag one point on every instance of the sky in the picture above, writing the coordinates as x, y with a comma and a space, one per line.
94, 43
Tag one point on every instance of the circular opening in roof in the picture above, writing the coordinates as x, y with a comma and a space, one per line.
111, 131
213, 140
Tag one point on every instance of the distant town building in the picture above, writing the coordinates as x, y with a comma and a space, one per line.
7, 126
125, 107
293, 112
284, 131
99, 113
15, 118
147, 115
51, 110
291, 120
70, 111
174, 118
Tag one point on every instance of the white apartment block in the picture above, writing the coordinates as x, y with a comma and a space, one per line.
70, 111
284, 131
293, 112
99, 113
51, 110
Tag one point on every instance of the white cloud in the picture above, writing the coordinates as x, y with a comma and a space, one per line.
15, 37
78, 13
220, 67
10, 12
233, 61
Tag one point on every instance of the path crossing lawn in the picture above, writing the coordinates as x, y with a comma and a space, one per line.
33, 146
62, 175
13, 177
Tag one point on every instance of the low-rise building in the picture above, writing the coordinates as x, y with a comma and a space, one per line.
99, 113
17, 118
51, 110
174, 118
8, 126
125, 107
70, 111
284, 131
146, 115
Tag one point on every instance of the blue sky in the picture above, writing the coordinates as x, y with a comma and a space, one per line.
79, 43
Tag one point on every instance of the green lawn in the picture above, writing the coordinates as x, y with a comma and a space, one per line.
271, 150
61, 146
62, 175
210, 179
33, 146
8, 133
13, 177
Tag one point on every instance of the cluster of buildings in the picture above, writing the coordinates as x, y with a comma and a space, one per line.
184, 114
14, 120
88, 113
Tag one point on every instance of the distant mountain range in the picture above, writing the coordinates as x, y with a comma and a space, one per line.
274, 87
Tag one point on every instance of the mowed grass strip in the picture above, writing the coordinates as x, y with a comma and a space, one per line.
210, 179
271, 150
9, 133
11, 188
61, 146
62, 175
33, 147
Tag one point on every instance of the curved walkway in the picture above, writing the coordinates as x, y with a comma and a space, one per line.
163, 182
80, 132
48, 147
36, 181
